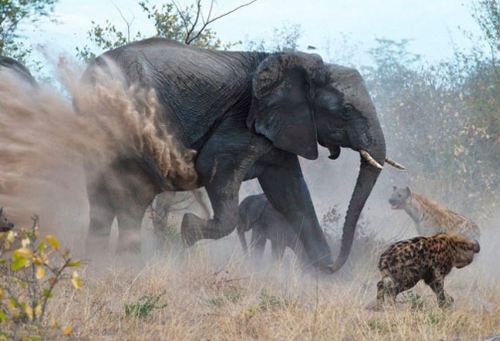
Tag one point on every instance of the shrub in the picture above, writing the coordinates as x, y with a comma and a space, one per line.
144, 306
30, 269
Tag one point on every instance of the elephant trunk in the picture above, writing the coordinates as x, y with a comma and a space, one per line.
368, 174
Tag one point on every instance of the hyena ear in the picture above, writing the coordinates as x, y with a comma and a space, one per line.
408, 190
476, 247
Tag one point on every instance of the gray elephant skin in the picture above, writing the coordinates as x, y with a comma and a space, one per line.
247, 115
258, 215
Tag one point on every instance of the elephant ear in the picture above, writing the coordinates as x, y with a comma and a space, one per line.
282, 91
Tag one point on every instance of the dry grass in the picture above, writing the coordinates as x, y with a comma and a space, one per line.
214, 297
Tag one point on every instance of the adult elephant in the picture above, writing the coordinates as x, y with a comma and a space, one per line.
248, 115
21, 70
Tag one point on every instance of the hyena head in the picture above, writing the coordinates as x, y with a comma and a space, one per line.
400, 197
5, 224
465, 249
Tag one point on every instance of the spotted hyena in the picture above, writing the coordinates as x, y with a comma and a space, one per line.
429, 258
429, 216
5, 224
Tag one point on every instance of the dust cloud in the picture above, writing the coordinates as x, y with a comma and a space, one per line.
45, 141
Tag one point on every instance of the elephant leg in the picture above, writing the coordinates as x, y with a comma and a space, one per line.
243, 240
242, 227
222, 167
278, 249
134, 192
287, 191
129, 223
102, 214
258, 243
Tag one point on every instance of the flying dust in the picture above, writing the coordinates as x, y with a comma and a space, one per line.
45, 140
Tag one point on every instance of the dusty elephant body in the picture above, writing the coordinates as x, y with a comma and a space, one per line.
24, 74
258, 215
247, 115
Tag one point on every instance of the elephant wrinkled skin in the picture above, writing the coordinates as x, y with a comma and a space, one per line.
247, 115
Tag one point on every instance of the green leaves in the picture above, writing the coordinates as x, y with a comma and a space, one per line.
53, 241
30, 275
144, 306
13, 13
21, 258
169, 21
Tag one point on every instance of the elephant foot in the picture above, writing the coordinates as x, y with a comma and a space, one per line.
191, 229
96, 247
321, 259
129, 244
326, 267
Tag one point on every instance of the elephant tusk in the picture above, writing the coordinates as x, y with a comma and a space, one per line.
370, 159
394, 164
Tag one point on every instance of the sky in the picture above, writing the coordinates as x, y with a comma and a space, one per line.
431, 25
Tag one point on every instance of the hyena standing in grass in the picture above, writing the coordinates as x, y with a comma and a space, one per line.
429, 216
430, 259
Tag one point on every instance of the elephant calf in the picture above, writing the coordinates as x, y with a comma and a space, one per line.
258, 215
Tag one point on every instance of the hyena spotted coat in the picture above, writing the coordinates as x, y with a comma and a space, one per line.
429, 216
430, 258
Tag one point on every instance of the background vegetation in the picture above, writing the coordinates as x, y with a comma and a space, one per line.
441, 120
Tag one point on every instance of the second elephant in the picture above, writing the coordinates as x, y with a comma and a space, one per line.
257, 214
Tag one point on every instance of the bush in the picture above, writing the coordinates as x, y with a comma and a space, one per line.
144, 306
30, 270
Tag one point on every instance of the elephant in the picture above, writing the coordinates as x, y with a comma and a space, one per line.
246, 115
258, 215
21, 70
163, 205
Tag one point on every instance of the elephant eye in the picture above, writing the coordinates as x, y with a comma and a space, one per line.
347, 111
348, 107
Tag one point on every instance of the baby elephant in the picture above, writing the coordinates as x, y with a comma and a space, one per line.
429, 258
258, 215
5, 224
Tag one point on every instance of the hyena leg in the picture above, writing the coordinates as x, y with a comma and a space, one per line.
437, 285
386, 287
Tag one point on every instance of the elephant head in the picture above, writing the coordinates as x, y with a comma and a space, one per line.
299, 101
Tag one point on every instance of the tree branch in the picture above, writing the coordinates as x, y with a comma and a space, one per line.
193, 26
183, 18
126, 21
210, 21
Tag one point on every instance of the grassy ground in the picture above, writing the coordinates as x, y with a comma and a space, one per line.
199, 296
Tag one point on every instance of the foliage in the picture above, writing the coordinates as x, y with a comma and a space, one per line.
144, 306
441, 120
30, 269
187, 25
285, 38
12, 14
271, 302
